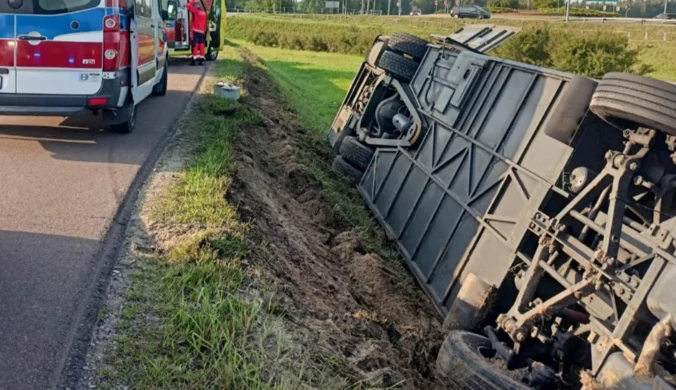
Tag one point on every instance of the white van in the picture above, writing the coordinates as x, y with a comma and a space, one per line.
65, 57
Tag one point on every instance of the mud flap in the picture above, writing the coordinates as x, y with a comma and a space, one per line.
471, 305
133, 37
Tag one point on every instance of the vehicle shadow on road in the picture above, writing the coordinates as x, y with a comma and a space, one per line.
180, 65
84, 138
41, 283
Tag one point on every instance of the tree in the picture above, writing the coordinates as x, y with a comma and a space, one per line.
426, 6
265, 5
312, 5
514, 4
481, 3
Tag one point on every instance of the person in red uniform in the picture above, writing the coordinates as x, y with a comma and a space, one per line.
198, 30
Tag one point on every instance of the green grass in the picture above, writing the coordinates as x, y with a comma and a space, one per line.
187, 323
661, 57
198, 195
360, 31
194, 317
314, 83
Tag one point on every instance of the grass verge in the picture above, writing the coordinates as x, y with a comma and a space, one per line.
196, 316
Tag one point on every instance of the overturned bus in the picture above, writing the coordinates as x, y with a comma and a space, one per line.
535, 208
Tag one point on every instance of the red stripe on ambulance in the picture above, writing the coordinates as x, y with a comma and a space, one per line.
53, 54
6, 52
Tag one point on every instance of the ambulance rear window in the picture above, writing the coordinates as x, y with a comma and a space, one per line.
52, 7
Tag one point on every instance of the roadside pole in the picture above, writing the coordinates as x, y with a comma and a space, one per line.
665, 6
567, 10
388, 7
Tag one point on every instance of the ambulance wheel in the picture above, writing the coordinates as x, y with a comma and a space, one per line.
212, 53
128, 115
160, 89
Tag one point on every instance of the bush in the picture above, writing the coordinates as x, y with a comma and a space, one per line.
594, 55
499, 10
504, 4
316, 43
545, 4
589, 55
529, 46
291, 41
580, 12
300, 35
264, 38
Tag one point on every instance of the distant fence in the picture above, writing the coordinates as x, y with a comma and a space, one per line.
646, 36
295, 11
669, 22
506, 16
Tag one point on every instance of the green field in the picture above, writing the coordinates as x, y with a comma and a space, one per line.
355, 34
314, 83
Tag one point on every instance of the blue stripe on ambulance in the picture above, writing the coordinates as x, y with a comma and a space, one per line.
51, 26
6, 26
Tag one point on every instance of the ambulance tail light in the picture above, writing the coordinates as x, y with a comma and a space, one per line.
122, 4
111, 43
98, 101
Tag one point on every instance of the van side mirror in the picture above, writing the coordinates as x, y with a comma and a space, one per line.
172, 10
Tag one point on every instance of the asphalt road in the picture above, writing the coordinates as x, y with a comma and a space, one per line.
61, 186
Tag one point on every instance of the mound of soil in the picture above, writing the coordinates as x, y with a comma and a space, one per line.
350, 302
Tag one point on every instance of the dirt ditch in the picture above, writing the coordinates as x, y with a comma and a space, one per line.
350, 301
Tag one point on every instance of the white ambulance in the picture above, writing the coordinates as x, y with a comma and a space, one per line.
65, 57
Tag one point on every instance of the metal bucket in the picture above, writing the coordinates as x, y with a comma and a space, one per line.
227, 91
